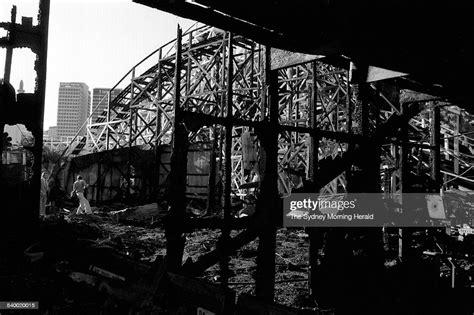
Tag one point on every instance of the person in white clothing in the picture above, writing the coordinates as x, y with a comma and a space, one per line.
78, 188
43, 194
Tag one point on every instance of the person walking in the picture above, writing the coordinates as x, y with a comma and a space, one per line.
43, 194
78, 188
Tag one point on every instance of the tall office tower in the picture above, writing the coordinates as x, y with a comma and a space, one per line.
73, 108
98, 95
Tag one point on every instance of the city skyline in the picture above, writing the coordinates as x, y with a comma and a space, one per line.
91, 42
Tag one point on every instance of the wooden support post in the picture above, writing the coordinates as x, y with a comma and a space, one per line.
98, 185
216, 135
314, 149
225, 234
265, 275
393, 178
435, 143
130, 137
315, 237
211, 193
130, 108
177, 183
457, 123
107, 130
158, 125
350, 146
41, 67
446, 146
403, 242
9, 50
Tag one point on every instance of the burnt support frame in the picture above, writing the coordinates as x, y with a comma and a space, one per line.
435, 139
265, 275
177, 187
225, 233
39, 45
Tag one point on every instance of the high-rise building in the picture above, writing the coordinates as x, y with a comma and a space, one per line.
73, 108
99, 97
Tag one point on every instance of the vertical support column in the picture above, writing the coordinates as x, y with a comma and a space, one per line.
446, 153
107, 130
157, 104
269, 199
315, 238
435, 143
393, 177
457, 122
177, 183
158, 125
40, 67
131, 108
9, 52
211, 193
403, 241
225, 234
130, 137
350, 146
314, 148
189, 65
216, 136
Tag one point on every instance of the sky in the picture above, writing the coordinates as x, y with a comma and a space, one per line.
90, 41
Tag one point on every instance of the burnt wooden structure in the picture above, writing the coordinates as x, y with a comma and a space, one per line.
314, 119
22, 208
322, 124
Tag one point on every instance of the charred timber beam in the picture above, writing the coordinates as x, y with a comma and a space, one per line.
265, 274
194, 121
404, 241
225, 234
315, 234
177, 183
9, 53
39, 95
435, 142
209, 259
457, 125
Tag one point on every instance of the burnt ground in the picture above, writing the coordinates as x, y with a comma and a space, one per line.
148, 243
57, 273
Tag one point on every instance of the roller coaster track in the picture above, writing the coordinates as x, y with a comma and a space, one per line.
142, 114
